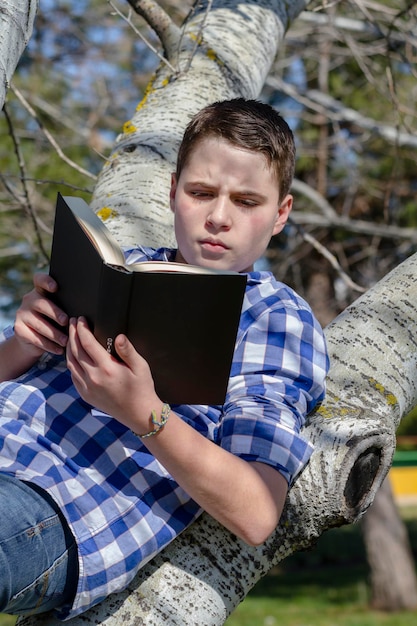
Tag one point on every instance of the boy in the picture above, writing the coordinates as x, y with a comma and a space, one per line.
91, 500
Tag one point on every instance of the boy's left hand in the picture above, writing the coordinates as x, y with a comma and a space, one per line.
124, 390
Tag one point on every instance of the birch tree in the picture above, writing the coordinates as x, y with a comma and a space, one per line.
16, 26
225, 49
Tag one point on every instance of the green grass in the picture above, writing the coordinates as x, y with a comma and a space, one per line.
323, 597
325, 586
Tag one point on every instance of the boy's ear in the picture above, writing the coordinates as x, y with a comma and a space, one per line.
173, 191
283, 212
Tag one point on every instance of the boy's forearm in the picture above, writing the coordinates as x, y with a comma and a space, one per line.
13, 360
247, 498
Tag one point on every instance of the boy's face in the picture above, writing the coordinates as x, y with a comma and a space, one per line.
226, 207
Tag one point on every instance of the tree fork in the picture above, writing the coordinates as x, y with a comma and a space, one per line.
206, 572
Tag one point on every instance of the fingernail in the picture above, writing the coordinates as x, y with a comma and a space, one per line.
121, 340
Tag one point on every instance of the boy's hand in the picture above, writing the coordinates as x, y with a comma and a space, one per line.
34, 331
124, 390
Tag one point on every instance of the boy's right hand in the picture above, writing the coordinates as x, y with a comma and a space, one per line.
41, 326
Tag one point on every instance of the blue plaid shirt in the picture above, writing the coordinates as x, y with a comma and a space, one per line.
121, 504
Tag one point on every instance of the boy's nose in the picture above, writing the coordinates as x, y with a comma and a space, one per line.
219, 215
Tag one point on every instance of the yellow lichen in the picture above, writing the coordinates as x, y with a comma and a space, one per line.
332, 409
106, 213
141, 104
150, 88
390, 397
213, 56
324, 411
194, 37
129, 127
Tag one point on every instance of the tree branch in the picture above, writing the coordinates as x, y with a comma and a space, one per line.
316, 197
336, 111
146, 41
48, 135
153, 14
327, 255
371, 27
25, 201
355, 226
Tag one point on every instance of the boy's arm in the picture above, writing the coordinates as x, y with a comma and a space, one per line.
247, 498
13, 361
40, 327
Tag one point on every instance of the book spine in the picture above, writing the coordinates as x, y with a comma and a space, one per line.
113, 305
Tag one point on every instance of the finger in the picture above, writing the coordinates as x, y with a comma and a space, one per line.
75, 354
91, 347
125, 350
134, 361
38, 341
34, 328
44, 283
37, 303
75, 344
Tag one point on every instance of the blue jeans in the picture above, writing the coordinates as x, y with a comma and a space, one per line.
38, 555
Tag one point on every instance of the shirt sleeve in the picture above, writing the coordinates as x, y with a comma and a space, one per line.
6, 333
278, 377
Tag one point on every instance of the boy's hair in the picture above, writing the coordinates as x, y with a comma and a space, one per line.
247, 124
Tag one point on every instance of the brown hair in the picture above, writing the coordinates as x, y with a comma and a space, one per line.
247, 124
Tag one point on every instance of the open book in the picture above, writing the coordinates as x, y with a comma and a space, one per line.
182, 319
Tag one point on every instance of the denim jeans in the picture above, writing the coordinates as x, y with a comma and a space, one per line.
38, 555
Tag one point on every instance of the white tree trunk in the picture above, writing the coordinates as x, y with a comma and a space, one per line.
16, 25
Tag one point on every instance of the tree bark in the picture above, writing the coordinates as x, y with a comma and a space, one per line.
393, 576
16, 25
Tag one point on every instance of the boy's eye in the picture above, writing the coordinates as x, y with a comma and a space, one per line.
246, 202
198, 193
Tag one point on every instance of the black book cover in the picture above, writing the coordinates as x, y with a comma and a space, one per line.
183, 324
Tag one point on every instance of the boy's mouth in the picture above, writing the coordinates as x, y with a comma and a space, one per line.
215, 245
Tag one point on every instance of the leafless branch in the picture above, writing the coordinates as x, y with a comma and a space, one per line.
336, 111
316, 197
158, 20
168, 33
200, 33
370, 27
48, 135
355, 226
25, 200
308, 238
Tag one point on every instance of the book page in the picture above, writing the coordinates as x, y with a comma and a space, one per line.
97, 232
167, 266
